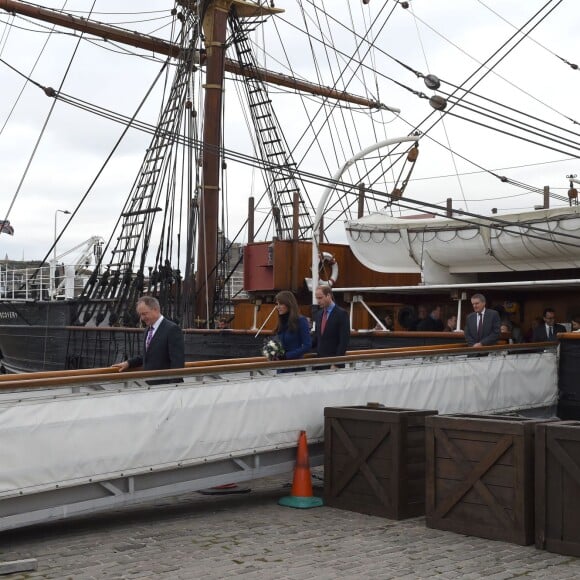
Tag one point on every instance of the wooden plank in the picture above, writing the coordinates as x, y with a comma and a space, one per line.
465, 425
501, 475
430, 465
562, 456
476, 520
26, 565
504, 496
473, 449
540, 486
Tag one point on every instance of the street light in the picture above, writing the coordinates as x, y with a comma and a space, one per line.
65, 211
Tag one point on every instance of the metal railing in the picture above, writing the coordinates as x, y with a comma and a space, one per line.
29, 283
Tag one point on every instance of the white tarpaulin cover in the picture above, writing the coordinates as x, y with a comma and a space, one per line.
76, 438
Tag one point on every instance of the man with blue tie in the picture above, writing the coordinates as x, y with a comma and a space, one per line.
548, 331
482, 327
332, 325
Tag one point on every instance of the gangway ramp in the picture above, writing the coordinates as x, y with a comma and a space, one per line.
87, 442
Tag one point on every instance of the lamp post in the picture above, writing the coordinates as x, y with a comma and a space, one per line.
65, 211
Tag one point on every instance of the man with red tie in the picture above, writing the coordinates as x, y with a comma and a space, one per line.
332, 325
482, 327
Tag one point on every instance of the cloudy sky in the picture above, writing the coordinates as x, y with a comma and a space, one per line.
447, 38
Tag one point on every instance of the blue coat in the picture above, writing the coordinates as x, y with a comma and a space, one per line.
296, 344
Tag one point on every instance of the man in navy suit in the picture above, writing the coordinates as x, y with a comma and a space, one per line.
163, 346
332, 332
482, 327
547, 332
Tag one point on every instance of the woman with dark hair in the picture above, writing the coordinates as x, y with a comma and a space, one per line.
293, 330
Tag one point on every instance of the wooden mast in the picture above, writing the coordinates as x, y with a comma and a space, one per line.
215, 21
214, 27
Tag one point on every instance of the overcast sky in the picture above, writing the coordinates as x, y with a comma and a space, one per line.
446, 38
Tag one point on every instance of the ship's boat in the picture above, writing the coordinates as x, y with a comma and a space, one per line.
455, 250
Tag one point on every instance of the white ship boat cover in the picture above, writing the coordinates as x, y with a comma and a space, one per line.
53, 440
449, 250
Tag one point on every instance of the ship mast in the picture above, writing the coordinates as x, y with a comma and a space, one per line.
215, 20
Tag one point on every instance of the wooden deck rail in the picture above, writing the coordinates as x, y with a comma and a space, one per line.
193, 364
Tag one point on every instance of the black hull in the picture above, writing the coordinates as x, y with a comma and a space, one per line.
39, 337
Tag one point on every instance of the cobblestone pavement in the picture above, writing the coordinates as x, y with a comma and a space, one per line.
250, 536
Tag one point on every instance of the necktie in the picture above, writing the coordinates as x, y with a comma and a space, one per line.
148, 338
551, 333
323, 322
479, 324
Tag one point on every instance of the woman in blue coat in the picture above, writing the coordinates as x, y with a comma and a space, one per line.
293, 329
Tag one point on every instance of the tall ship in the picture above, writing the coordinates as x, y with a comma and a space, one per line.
276, 145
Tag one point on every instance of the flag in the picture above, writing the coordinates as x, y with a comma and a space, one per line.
6, 228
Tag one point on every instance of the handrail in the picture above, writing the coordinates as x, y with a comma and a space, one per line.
253, 364
569, 335
192, 364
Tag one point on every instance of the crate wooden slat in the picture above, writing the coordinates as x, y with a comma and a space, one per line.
375, 460
480, 476
558, 487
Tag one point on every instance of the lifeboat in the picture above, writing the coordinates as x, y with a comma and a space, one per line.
455, 250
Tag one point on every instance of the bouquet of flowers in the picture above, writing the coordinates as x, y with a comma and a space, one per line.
273, 349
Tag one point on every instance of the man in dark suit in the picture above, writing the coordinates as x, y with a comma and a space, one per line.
163, 346
547, 332
332, 332
482, 327
433, 322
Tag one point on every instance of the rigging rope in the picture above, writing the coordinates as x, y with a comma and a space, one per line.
36, 145
318, 180
484, 65
571, 65
443, 124
513, 110
418, 74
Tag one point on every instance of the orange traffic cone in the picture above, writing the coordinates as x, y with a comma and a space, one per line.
301, 495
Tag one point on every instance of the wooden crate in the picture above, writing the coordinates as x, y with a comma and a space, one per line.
558, 487
480, 476
374, 460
